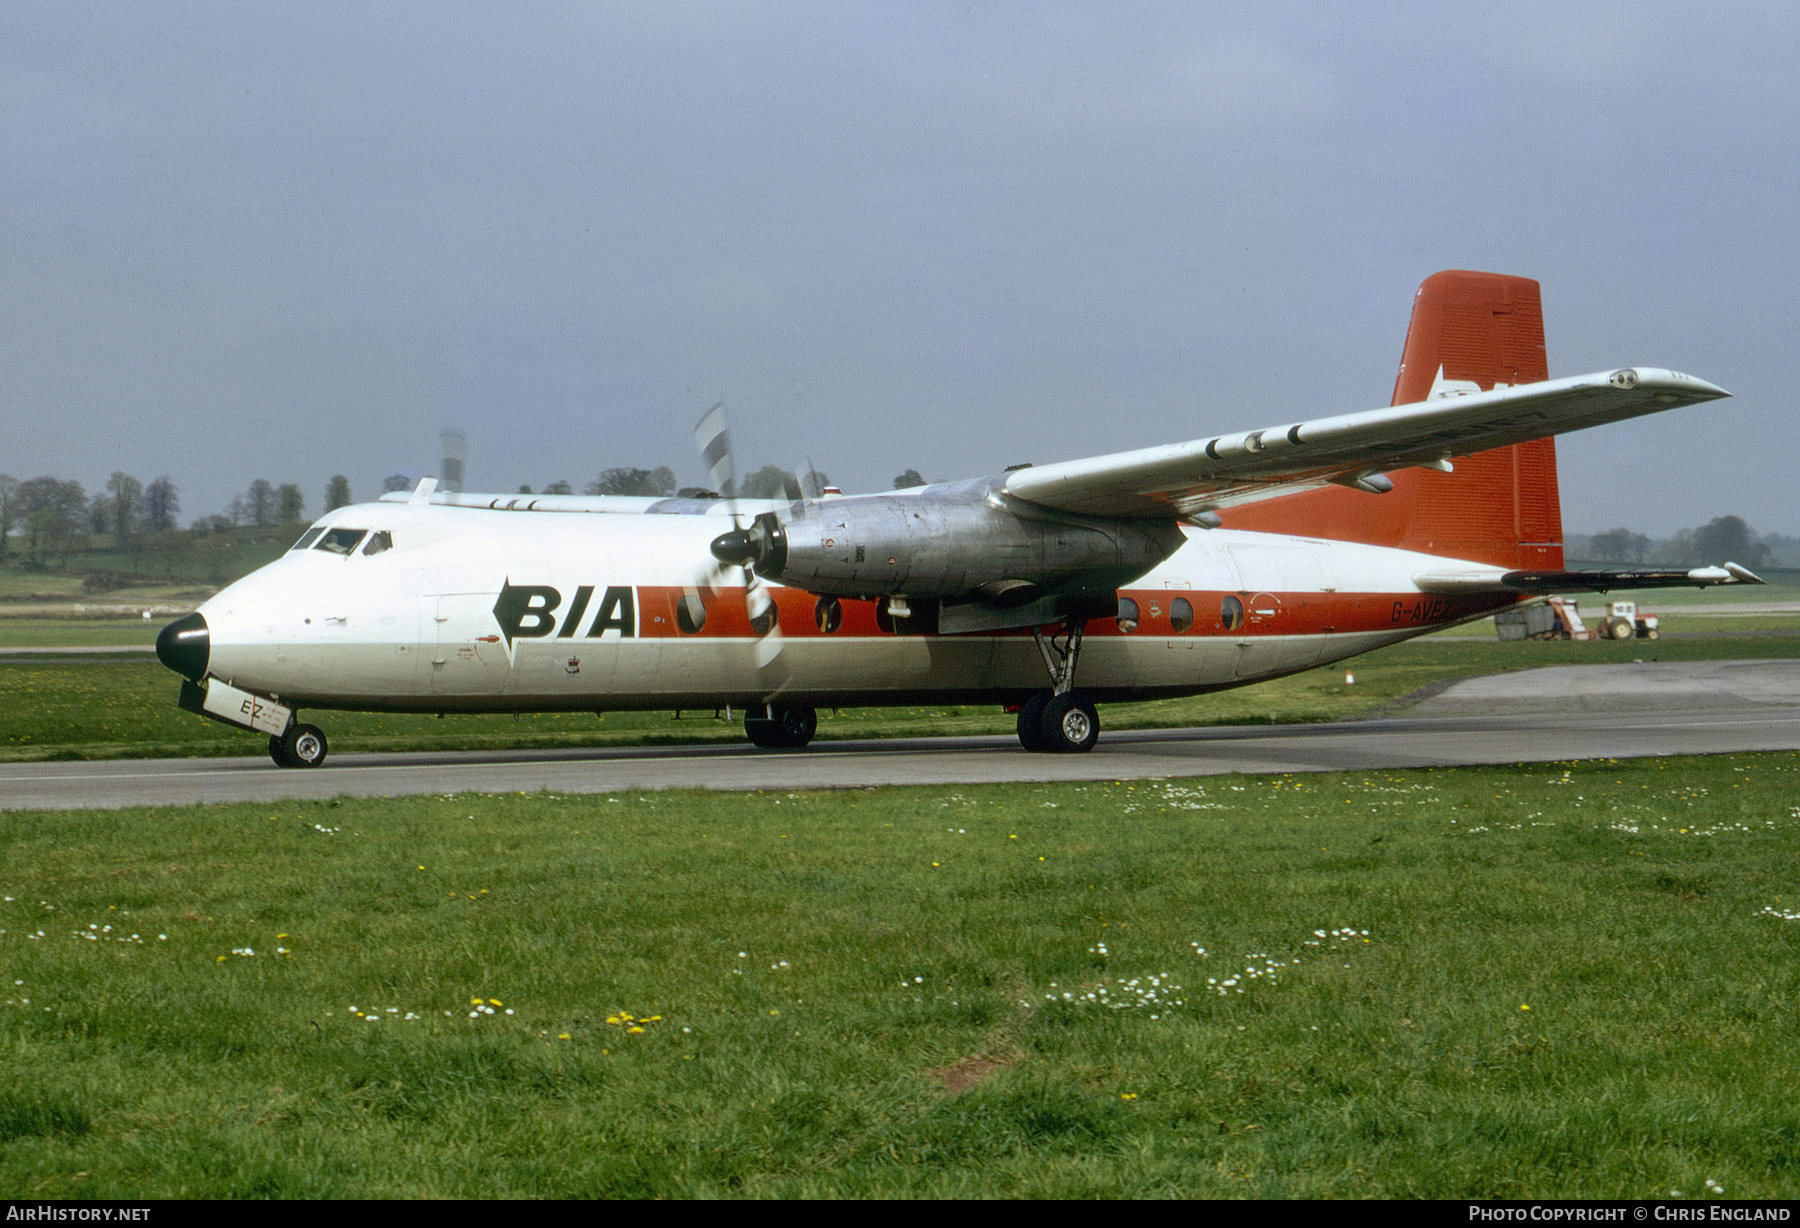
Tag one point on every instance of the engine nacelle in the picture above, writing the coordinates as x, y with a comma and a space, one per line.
1001, 553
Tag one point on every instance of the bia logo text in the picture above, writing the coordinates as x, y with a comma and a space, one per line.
532, 611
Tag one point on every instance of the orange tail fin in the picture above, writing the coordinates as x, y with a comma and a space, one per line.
1469, 331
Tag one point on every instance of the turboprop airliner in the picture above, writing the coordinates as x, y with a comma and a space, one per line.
1169, 571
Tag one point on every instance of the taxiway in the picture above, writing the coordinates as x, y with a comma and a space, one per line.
1546, 715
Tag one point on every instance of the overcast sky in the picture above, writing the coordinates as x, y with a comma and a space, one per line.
291, 240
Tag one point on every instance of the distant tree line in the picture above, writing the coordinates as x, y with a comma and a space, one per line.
1720, 540
49, 517
769, 482
46, 518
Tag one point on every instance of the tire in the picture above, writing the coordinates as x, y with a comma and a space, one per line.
1031, 721
797, 725
1070, 725
787, 729
279, 754
303, 746
1652, 633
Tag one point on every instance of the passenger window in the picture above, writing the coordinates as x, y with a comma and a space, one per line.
690, 614
1128, 615
340, 541
307, 538
1181, 614
1231, 613
379, 541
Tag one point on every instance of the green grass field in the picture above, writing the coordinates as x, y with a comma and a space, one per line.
1572, 981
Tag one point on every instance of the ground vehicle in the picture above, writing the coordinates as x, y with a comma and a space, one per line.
1624, 621
1556, 618
1559, 618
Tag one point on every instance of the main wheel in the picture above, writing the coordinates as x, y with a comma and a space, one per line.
1070, 724
278, 752
797, 725
1031, 721
785, 729
300, 746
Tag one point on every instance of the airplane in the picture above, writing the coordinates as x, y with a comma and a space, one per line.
1048, 589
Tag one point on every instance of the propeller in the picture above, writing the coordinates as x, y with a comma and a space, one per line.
742, 548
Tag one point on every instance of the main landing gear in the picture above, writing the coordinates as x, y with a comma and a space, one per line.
778, 728
1061, 719
300, 746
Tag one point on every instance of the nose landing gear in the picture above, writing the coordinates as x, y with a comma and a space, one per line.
300, 746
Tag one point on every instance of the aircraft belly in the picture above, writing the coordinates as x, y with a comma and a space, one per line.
370, 672
575, 668
1156, 663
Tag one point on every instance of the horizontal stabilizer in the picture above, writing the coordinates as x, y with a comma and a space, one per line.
1495, 580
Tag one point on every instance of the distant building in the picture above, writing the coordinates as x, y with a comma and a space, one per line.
454, 445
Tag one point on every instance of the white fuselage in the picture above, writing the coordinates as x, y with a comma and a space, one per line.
475, 610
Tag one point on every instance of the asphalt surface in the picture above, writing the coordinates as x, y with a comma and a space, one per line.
1560, 713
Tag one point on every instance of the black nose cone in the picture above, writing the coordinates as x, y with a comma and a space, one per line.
185, 646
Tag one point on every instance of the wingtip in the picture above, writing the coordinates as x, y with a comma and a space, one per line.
1687, 388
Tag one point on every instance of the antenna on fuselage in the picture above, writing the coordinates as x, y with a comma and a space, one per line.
421, 494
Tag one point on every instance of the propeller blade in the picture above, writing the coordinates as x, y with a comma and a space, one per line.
742, 548
713, 437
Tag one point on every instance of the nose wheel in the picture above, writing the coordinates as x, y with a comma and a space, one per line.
300, 746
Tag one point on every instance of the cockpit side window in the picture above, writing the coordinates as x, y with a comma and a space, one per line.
379, 540
340, 541
307, 538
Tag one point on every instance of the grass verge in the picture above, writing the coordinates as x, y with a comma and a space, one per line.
1545, 981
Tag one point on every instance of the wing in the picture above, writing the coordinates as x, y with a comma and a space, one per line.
1188, 480
618, 505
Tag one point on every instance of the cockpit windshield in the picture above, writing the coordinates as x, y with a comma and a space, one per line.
341, 541
345, 541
